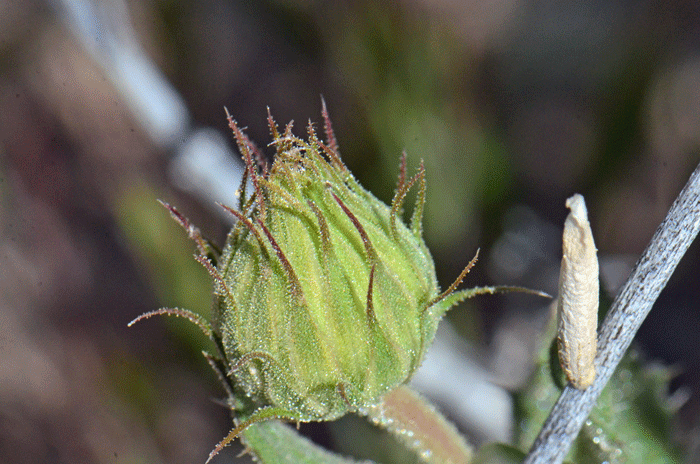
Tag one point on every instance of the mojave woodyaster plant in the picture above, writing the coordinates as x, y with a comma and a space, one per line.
325, 300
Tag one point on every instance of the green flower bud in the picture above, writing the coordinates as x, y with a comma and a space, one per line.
325, 300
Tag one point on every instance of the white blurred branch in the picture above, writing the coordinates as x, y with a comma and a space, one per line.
203, 163
449, 377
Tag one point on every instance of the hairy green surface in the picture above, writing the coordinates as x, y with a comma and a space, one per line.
324, 293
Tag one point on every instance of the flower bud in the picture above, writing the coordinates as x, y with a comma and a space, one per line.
325, 295
325, 300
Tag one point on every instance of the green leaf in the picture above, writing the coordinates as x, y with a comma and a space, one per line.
276, 443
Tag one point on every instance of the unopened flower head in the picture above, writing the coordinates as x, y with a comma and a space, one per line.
325, 299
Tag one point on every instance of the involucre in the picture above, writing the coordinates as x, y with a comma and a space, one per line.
325, 300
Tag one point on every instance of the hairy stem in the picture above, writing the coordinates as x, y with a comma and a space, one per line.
416, 423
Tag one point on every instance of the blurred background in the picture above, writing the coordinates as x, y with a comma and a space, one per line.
106, 106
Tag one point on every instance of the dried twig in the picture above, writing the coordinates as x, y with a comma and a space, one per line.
628, 311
